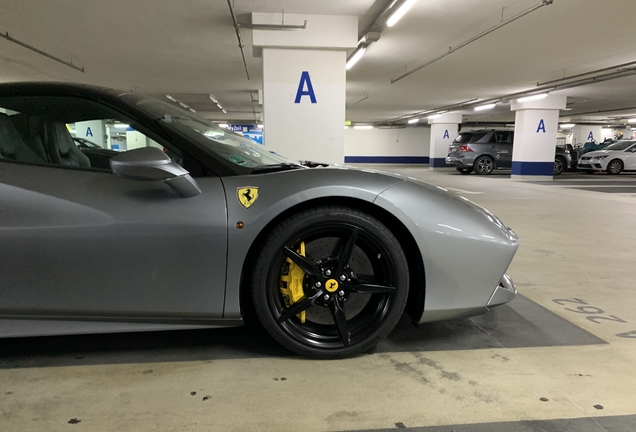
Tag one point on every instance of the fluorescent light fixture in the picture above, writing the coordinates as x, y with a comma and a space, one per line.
413, 121
364, 127
533, 97
631, 120
223, 125
223, 109
434, 116
171, 98
121, 126
192, 109
485, 107
400, 12
567, 126
213, 99
357, 55
346, 127
260, 126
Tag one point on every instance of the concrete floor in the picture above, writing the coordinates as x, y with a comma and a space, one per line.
565, 350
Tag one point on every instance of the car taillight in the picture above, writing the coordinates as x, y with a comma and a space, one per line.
465, 148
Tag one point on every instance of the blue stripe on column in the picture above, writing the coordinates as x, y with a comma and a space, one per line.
387, 159
437, 162
533, 168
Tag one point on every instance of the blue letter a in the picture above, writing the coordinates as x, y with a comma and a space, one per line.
89, 132
541, 126
304, 79
446, 135
590, 137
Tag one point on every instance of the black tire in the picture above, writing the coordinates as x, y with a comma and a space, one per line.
615, 167
484, 165
559, 166
374, 302
464, 170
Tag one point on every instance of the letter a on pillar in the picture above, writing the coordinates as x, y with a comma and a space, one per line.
446, 135
305, 80
590, 137
89, 132
541, 126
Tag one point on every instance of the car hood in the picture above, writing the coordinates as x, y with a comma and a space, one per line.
600, 153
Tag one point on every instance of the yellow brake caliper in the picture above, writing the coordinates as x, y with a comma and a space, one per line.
291, 282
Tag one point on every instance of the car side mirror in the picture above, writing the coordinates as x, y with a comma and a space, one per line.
151, 164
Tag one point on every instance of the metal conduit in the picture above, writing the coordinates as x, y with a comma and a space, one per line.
240, 40
624, 65
39, 51
475, 38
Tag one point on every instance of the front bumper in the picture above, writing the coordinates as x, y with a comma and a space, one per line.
505, 292
589, 166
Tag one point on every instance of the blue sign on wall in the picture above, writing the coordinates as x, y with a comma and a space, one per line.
249, 131
446, 135
541, 126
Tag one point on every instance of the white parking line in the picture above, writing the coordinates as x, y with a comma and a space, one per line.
464, 191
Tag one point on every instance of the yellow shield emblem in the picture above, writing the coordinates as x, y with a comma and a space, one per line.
247, 195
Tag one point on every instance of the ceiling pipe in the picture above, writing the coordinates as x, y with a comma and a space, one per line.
240, 40
624, 65
475, 38
39, 51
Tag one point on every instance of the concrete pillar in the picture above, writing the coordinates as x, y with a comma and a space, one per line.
534, 147
304, 80
583, 133
93, 130
444, 130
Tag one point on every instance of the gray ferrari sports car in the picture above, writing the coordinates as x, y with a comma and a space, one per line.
194, 226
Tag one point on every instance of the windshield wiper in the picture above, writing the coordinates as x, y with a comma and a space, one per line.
261, 169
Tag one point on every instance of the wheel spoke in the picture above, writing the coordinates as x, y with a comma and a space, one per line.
301, 261
345, 253
367, 288
337, 310
298, 307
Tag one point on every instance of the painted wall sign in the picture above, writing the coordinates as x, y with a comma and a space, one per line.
89, 132
541, 126
305, 81
590, 137
446, 135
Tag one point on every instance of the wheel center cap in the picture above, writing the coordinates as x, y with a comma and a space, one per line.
331, 285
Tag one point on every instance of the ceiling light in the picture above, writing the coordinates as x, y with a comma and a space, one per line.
223, 125
192, 109
434, 116
223, 109
346, 127
364, 127
485, 107
171, 98
567, 126
260, 126
121, 126
533, 97
632, 120
213, 99
357, 55
400, 12
414, 120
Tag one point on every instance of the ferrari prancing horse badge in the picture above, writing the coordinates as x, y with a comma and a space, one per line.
247, 195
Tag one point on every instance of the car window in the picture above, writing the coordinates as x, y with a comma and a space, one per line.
476, 137
69, 132
503, 137
621, 145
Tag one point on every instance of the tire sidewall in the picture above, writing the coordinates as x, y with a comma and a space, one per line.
615, 161
478, 171
285, 232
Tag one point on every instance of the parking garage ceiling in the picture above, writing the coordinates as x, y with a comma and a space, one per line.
189, 49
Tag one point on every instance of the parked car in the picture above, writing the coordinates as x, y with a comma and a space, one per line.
327, 258
614, 159
484, 151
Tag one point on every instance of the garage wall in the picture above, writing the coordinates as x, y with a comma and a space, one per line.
392, 146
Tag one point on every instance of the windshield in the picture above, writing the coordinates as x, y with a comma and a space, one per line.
225, 144
621, 145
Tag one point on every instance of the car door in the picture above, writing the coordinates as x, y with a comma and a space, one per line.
502, 142
84, 242
629, 158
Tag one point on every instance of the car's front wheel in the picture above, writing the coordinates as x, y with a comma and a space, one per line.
330, 282
615, 167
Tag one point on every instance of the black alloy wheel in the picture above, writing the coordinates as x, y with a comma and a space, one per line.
484, 165
559, 166
355, 282
615, 167
465, 170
